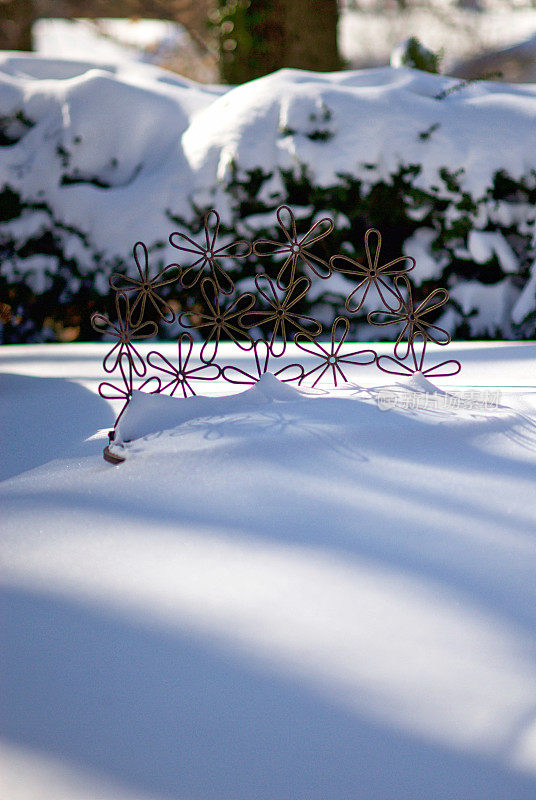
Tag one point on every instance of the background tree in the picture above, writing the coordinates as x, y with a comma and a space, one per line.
16, 20
253, 37
259, 36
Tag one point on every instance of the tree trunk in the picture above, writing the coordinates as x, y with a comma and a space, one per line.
260, 36
311, 35
16, 20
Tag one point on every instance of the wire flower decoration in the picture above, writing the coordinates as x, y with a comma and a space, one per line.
209, 256
262, 353
218, 320
181, 376
123, 391
217, 311
334, 358
280, 311
145, 287
397, 366
125, 332
296, 248
413, 317
371, 275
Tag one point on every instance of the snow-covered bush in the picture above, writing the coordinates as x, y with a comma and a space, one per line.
92, 160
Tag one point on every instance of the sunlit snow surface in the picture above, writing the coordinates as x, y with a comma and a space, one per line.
166, 142
278, 595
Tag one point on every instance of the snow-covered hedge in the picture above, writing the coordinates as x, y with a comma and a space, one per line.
94, 159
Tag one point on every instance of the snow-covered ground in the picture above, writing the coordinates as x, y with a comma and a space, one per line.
278, 596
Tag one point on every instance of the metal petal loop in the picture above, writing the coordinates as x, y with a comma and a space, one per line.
212, 306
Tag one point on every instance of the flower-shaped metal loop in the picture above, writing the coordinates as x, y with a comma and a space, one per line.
372, 275
261, 351
395, 366
181, 376
209, 256
332, 356
220, 312
279, 312
296, 248
125, 333
146, 287
219, 321
412, 318
110, 391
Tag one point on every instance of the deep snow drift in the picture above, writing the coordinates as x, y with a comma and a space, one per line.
277, 595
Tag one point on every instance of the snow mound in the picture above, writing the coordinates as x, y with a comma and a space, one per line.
32, 432
335, 123
417, 382
271, 410
97, 143
148, 413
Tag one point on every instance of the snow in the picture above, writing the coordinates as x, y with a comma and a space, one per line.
488, 304
419, 247
483, 245
525, 302
279, 594
170, 143
111, 39
68, 39
376, 117
453, 29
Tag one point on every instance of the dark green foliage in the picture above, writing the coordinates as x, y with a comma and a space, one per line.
416, 55
398, 206
399, 209
13, 127
59, 308
243, 51
425, 135
257, 37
